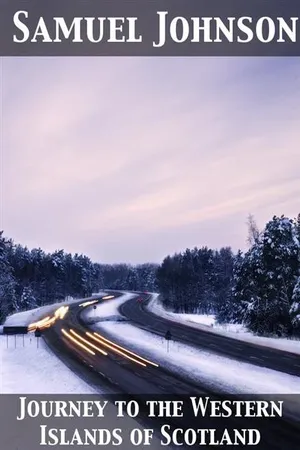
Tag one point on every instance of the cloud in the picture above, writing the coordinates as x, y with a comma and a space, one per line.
103, 155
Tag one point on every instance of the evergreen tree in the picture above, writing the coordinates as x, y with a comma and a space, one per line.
7, 282
295, 306
265, 281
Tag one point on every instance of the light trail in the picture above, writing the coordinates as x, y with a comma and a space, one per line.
61, 312
126, 350
48, 321
38, 324
91, 302
77, 342
89, 343
114, 349
47, 324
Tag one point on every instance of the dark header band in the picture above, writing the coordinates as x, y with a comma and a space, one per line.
143, 28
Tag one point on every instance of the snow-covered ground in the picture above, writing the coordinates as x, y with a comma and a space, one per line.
30, 369
235, 331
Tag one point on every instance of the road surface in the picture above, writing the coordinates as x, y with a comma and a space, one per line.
258, 355
110, 368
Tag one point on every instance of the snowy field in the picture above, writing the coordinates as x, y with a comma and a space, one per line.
28, 369
235, 331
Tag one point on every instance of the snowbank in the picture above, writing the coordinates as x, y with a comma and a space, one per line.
236, 331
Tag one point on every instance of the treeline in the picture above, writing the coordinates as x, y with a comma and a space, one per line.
260, 289
32, 278
196, 281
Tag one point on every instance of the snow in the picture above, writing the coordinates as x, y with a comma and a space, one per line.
236, 331
208, 320
107, 310
35, 370
30, 369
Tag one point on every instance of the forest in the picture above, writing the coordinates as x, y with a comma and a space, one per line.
259, 288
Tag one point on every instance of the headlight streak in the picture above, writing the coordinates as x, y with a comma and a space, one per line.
91, 302
48, 321
47, 324
114, 349
127, 351
88, 343
61, 312
85, 344
34, 325
77, 342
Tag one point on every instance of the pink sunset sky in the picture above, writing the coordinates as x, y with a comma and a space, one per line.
130, 159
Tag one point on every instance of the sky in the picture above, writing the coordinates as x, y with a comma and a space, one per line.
132, 159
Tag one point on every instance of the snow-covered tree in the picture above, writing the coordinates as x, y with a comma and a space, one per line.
265, 281
253, 231
27, 300
295, 307
7, 282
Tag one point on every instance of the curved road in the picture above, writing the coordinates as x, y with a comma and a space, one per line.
125, 372
258, 355
112, 368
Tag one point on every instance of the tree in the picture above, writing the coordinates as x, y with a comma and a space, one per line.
253, 231
7, 282
265, 281
196, 281
295, 306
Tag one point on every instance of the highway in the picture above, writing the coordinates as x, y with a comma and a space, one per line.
111, 368
258, 355
134, 374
